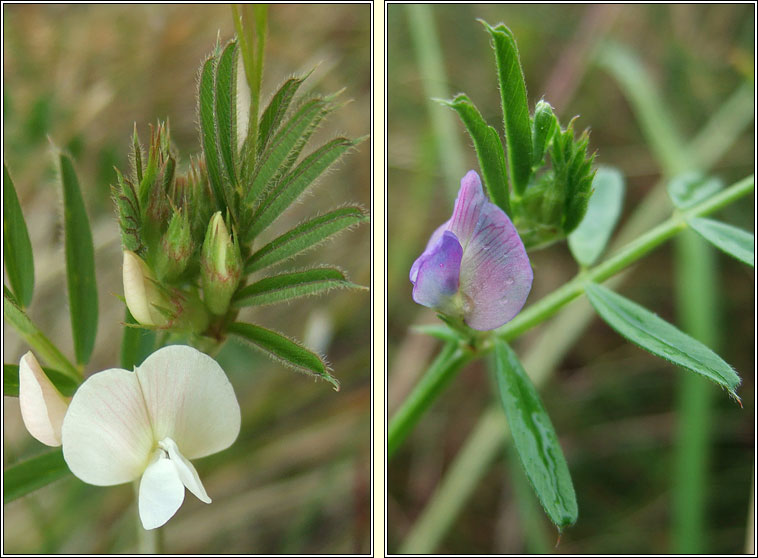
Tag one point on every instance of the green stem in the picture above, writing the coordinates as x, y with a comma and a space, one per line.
38, 341
443, 369
697, 301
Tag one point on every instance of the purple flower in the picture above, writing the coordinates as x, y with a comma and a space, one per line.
475, 266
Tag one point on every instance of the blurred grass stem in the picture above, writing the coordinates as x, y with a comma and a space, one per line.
426, 46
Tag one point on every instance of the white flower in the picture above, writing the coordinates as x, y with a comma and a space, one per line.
122, 426
42, 405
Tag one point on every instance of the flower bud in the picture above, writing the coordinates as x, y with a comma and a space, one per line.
176, 248
42, 405
143, 295
221, 266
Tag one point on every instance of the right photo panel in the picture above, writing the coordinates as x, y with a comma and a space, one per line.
570, 279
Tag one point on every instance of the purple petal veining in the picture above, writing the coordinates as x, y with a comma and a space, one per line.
477, 255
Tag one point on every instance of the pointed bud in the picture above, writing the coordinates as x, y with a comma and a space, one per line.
221, 265
42, 405
142, 293
176, 248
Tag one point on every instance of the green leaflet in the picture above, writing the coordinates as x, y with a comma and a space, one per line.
80, 264
518, 133
284, 350
690, 188
305, 236
648, 331
40, 344
19, 259
286, 145
277, 199
136, 344
735, 242
226, 117
489, 150
205, 99
275, 111
22, 478
589, 239
286, 286
534, 438
65, 384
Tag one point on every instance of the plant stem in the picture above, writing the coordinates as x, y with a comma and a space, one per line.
443, 369
697, 300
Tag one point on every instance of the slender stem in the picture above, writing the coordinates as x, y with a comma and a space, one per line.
697, 300
443, 369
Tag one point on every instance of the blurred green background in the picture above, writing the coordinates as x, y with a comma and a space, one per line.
298, 478
613, 405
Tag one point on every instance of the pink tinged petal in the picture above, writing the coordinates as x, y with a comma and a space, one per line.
42, 405
190, 400
185, 469
496, 276
107, 438
437, 271
430, 246
161, 492
468, 207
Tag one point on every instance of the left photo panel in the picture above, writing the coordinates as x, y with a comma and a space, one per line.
187, 261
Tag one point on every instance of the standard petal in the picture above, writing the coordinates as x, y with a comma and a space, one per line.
187, 472
190, 400
496, 276
437, 273
106, 432
161, 492
468, 207
42, 405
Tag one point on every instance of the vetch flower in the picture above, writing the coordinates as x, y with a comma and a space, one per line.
142, 293
42, 405
475, 266
122, 426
